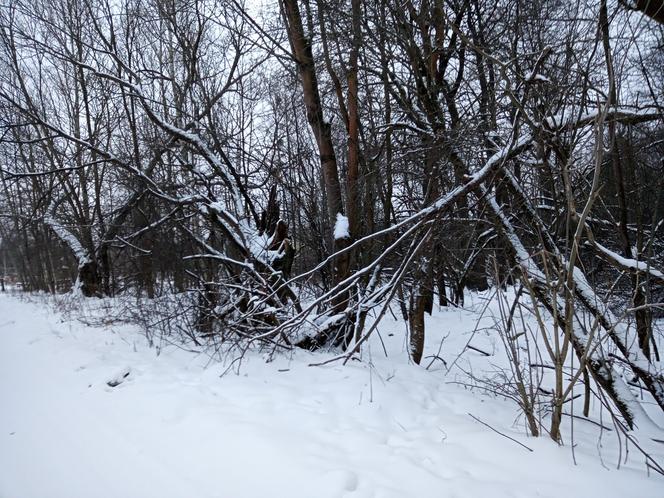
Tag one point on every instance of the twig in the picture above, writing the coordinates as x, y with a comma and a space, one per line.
588, 420
478, 350
504, 435
434, 358
656, 469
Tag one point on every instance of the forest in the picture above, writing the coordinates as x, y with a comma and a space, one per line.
284, 177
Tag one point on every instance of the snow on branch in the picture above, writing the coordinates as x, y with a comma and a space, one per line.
629, 264
81, 254
571, 119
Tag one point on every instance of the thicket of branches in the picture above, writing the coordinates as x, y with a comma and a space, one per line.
279, 177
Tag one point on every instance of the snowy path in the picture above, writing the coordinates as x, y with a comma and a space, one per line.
175, 429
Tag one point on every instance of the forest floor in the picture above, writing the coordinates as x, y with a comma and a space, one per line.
175, 427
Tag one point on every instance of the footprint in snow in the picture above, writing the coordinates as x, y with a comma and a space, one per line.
342, 480
119, 377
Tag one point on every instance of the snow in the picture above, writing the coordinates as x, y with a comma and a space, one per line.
341, 230
175, 427
530, 76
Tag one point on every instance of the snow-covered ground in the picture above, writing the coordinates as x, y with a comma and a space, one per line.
176, 428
